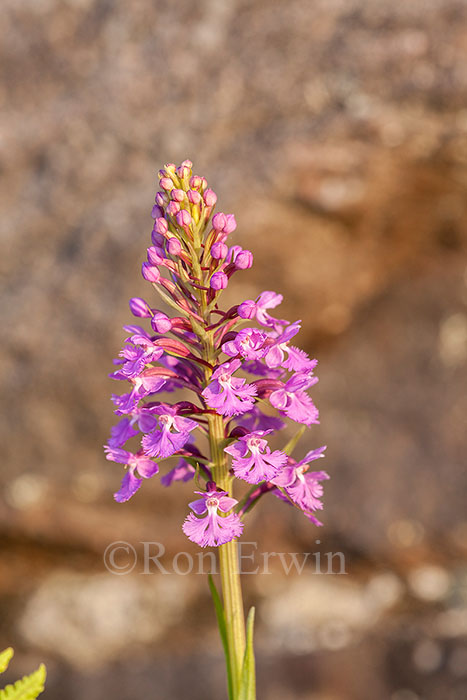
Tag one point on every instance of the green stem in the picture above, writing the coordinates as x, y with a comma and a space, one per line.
228, 553
228, 559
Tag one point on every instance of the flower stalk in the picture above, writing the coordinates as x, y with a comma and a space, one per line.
189, 264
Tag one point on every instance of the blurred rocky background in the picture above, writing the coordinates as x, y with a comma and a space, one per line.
337, 132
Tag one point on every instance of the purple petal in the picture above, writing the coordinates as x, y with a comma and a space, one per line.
130, 485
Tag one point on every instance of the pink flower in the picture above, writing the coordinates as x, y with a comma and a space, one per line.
302, 486
293, 400
171, 435
253, 460
208, 527
229, 396
139, 467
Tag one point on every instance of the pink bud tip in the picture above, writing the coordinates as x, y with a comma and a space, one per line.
161, 323
174, 246
193, 197
150, 273
195, 182
166, 184
177, 195
243, 260
161, 225
187, 164
161, 199
210, 198
219, 280
139, 307
155, 255
230, 223
218, 221
183, 218
219, 251
183, 172
173, 208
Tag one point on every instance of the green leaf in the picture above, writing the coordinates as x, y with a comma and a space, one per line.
222, 631
5, 658
292, 443
248, 679
28, 688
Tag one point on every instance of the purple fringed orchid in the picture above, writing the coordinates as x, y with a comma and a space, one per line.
229, 370
231, 377
137, 463
293, 401
228, 395
253, 460
172, 433
209, 525
280, 354
301, 485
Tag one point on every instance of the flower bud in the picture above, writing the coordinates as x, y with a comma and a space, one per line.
157, 239
183, 218
156, 211
233, 252
219, 251
218, 221
193, 197
166, 184
161, 323
155, 255
139, 307
177, 195
195, 182
161, 199
187, 164
170, 167
219, 280
243, 260
150, 273
173, 208
183, 172
230, 223
210, 198
174, 246
247, 309
161, 226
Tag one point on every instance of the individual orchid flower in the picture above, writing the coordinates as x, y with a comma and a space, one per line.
228, 395
253, 460
139, 467
303, 486
172, 433
209, 525
280, 354
293, 401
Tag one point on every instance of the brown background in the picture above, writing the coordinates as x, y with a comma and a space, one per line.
336, 130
